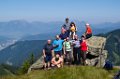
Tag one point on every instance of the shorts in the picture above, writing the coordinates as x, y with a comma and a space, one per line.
72, 33
59, 52
48, 59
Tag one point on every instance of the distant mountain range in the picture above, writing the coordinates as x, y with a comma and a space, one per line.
20, 28
39, 37
2, 38
17, 53
6, 42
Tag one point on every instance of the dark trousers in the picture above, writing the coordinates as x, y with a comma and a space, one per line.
68, 57
88, 36
83, 57
76, 55
68, 33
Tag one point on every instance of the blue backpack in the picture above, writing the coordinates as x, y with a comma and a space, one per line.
117, 76
108, 65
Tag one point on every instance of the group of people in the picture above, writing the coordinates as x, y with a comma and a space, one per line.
67, 48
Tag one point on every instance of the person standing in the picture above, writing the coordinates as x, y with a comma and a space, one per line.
58, 45
67, 51
83, 49
66, 26
63, 35
57, 61
47, 54
76, 50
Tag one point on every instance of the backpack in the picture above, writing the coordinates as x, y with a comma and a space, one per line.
108, 65
117, 76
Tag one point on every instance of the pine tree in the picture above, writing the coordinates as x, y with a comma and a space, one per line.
31, 59
24, 68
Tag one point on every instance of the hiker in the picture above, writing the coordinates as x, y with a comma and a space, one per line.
63, 35
73, 30
66, 26
57, 61
47, 54
88, 32
67, 51
76, 50
58, 45
83, 49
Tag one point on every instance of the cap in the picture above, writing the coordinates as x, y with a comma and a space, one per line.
87, 24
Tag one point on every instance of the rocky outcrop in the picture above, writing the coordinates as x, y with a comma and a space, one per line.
95, 48
37, 65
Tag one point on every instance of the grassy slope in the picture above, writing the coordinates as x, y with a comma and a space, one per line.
74, 72
5, 72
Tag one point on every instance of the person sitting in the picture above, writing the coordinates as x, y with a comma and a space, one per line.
63, 35
57, 61
73, 30
47, 54
88, 32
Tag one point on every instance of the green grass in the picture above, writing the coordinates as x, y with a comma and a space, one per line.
73, 72
4, 72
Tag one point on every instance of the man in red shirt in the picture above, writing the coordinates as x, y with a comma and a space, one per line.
83, 48
88, 32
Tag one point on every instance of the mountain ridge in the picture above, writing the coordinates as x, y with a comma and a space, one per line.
20, 28
17, 53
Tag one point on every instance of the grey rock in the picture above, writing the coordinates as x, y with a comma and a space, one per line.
96, 47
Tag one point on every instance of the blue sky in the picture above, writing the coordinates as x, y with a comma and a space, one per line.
94, 11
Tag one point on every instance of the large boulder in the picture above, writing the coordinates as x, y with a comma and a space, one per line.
96, 47
37, 65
